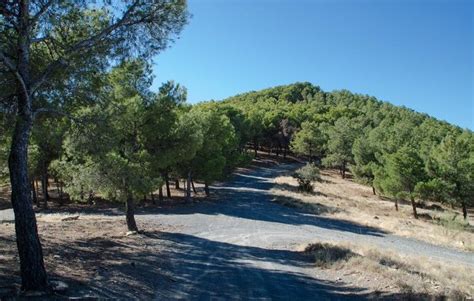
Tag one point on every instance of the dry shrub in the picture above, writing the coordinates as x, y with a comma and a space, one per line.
325, 255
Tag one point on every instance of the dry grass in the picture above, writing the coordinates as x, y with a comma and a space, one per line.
348, 200
392, 272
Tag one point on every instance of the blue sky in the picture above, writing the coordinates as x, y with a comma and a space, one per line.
416, 53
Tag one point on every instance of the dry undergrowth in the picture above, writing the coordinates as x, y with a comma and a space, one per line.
348, 200
413, 277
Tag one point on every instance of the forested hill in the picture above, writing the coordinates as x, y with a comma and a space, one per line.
400, 152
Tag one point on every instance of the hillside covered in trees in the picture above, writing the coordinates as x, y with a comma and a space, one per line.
399, 152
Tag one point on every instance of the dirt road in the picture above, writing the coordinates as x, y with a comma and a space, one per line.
243, 246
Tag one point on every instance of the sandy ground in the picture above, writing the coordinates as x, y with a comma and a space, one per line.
238, 245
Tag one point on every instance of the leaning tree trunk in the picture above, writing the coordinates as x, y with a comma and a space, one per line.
373, 190
413, 205
464, 210
130, 213
33, 273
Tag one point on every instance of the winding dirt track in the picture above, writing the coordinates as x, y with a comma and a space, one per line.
242, 247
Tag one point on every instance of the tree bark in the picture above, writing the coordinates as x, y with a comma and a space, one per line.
464, 210
413, 205
206, 188
176, 184
167, 181
130, 213
396, 204
373, 190
33, 273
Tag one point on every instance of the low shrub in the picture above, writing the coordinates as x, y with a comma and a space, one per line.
326, 255
306, 175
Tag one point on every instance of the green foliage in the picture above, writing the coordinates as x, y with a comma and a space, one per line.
404, 170
341, 136
306, 175
309, 141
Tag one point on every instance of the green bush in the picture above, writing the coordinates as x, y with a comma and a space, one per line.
306, 175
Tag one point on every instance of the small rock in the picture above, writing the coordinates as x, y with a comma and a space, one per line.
70, 218
56, 256
58, 286
376, 217
131, 233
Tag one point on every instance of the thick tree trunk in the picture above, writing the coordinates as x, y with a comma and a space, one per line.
396, 204
464, 210
33, 273
167, 181
130, 213
206, 189
413, 205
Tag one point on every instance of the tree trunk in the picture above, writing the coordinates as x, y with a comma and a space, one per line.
167, 181
61, 193
413, 204
44, 185
130, 213
176, 184
464, 210
188, 187
90, 198
160, 194
206, 188
194, 188
373, 190
33, 192
255, 148
396, 204
153, 198
33, 273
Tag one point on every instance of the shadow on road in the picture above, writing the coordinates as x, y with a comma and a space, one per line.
248, 196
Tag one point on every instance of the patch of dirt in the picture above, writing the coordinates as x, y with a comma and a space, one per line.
92, 255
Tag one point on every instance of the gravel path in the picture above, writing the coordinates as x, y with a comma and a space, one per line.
243, 246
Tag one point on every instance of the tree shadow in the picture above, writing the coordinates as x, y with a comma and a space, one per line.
248, 196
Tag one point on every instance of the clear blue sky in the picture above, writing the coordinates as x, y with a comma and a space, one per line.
413, 53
